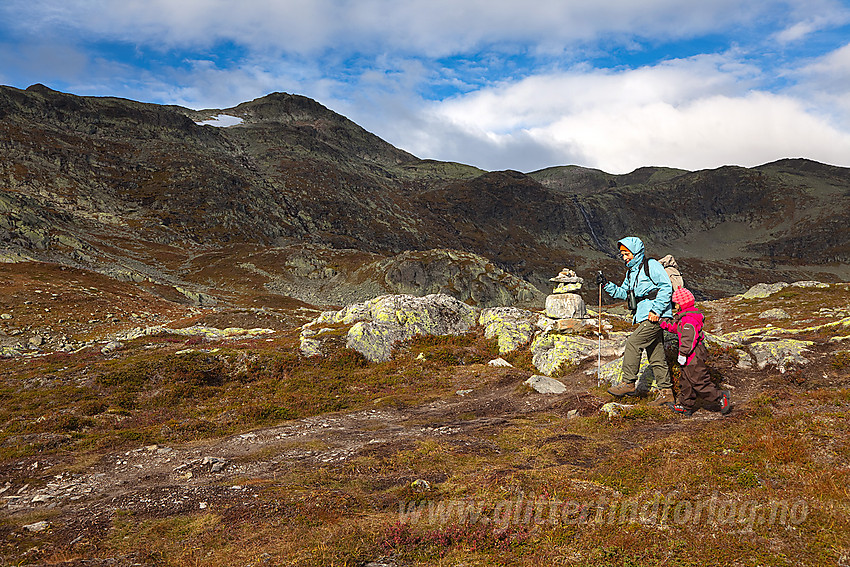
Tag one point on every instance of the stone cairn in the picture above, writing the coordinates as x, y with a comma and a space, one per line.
565, 306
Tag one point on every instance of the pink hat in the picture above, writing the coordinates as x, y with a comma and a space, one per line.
684, 298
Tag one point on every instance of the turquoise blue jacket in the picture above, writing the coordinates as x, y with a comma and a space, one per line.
636, 280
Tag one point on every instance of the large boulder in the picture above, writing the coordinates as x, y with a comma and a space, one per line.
512, 327
395, 318
378, 324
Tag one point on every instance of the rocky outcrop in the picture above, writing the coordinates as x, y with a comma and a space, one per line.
379, 324
511, 327
465, 276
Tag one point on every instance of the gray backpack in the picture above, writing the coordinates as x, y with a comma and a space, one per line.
672, 269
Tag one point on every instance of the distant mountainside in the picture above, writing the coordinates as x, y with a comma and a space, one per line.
296, 200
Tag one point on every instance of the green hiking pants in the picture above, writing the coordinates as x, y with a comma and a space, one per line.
649, 337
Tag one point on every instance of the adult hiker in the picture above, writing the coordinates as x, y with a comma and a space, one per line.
648, 291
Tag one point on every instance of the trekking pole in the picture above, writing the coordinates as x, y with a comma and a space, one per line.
599, 350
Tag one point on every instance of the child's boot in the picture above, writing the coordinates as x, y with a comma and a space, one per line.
682, 410
725, 402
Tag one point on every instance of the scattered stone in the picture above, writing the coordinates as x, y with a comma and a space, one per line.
420, 486
111, 347
216, 464
614, 409
573, 413
569, 325
463, 392
762, 290
36, 341
500, 362
745, 361
774, 314
6, 316
37, 527
310, 347
546, 385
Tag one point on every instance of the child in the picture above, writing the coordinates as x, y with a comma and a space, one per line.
692, 356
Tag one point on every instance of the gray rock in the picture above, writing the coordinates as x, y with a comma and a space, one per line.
511, 327
614, 409
745, 361
396, 318
810, 283
36, 341
111, 347
546, 385
565, 305
762, 290
6, 316
781, 353
37, 526
774, 314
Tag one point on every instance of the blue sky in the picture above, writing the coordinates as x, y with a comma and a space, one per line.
500, 84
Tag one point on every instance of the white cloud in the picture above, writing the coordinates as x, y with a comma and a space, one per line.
690, 114
425, 27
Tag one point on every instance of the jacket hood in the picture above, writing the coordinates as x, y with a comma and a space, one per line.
635, 246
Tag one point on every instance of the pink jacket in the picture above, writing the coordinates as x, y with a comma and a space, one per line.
688, 326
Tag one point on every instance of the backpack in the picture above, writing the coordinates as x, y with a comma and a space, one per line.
672, 269
668, 262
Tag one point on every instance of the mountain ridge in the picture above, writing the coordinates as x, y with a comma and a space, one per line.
105, 183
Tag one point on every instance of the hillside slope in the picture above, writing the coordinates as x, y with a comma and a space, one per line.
142, 190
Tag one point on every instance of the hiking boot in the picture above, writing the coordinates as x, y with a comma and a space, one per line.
725, 402
664, 398
682, 410
623, 389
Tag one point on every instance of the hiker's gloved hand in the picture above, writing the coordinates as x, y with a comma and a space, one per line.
600, 278
683, 360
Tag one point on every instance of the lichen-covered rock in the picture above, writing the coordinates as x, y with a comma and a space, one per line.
565, 305
781, 353
389, 319
211, 333
546, 385
762, 290
614, 409
612, 374
774, 314
310, 346
810, 283
551, 350
511, 326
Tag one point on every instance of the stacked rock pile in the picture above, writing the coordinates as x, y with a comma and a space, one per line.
565, 305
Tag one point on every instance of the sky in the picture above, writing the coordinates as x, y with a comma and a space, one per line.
498, 84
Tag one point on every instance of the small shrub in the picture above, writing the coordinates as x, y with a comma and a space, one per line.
840, 360
94, 407
271, 414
